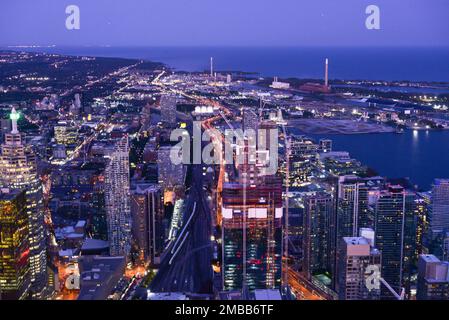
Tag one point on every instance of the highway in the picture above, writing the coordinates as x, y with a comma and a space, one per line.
305, 289
186, 266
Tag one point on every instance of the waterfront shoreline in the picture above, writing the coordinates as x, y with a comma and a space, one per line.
335, 126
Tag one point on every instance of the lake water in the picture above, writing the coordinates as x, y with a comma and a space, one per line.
420, 155
414, 64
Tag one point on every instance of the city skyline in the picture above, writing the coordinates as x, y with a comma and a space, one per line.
252, 177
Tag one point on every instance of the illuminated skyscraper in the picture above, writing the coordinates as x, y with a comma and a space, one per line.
422, 204
352, 210
318, 211
390, 222
5, 127
66, 133
76, 106
147, 210
14, 245
355, 255
168, 110
439, 213
250, 120
303, 160
170, 174
410, 247
433, 278
117, 199
99, 216
18, 171
252, 235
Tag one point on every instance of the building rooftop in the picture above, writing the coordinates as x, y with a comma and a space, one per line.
141, 188
438, 182
99, 276
430, 258
267, 294
166, 296
80, 224
355, 240
94, 244
8, 194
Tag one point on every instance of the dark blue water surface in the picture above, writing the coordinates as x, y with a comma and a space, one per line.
420, 155
414, 64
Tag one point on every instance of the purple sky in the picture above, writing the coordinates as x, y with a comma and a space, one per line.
225, 22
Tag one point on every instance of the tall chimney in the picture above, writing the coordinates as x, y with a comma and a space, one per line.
211, 67
326, 73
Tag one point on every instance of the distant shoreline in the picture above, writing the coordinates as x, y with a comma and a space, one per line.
392, 64
342, 83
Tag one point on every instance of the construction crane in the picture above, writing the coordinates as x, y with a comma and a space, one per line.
261, 107
396, 295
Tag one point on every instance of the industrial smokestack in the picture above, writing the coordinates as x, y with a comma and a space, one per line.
326, 73
211, 67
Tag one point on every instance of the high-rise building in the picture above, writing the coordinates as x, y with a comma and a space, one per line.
318, 211
99, 276
168, 110
422, 204
410, 251
446, 247
340, 163
353, 210
18, 171
439, 209
117, 199
252, 234
99, 226
433, 278
250, 120
66, 133
170, 174
5, 127
147, 211
355, 256
145, 117
14, 245
390, 221
267, 160
325, 145
75, 108
303, 160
